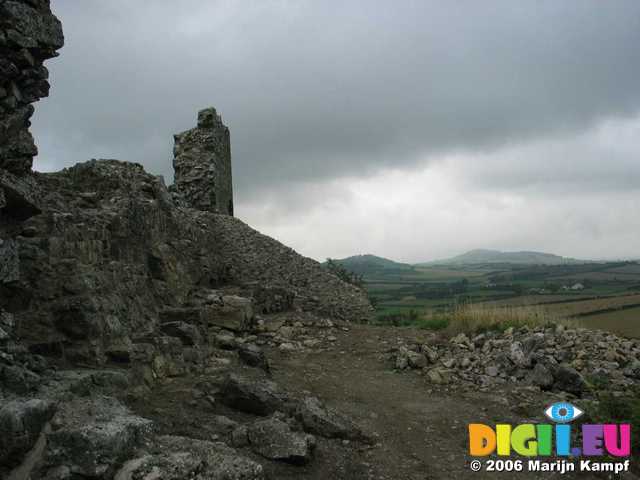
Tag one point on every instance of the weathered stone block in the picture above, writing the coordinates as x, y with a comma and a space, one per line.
21, 422
94, 436
235, 313
274, 439
187, 333
260, 397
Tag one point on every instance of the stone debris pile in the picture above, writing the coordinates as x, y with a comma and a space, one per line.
552, 358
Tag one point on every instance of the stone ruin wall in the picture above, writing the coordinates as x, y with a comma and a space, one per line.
202, 164
29, 34
91, 255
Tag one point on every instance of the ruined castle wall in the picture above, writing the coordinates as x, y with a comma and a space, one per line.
29, 34
111, 250
202, 164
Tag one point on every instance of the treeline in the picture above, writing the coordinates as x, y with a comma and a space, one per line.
343, 274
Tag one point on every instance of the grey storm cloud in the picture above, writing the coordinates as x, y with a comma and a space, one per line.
320, 90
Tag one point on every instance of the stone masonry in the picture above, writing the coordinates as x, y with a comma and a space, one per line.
29, 34
202, 164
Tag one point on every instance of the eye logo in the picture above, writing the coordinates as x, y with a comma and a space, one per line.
563, 412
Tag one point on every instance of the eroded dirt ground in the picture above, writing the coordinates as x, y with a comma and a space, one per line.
420, 429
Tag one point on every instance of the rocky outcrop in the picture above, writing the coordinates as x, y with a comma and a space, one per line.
112, 258
202, 164
29, 34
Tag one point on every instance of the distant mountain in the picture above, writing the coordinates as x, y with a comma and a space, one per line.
495, 256
366, 264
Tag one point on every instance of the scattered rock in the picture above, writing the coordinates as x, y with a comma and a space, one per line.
226, 341
260, 397
492, 371
188, 334
179, 458
253, 356
273, 439
568, 379
287, 347
550, 358
317, 418
541, 377
416, 360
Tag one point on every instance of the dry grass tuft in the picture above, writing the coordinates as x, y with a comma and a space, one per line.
471, 317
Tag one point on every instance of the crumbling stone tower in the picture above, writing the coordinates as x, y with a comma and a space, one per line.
202, 164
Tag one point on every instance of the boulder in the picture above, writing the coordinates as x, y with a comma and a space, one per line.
260, 397
633, 369
235, 313
273, 439
541, 377
416, 360
568, 379
531, 343
438, 376
254, 356
402, 358
178, 458
318, 419
93, 436
21, 422
226, 341
188, 334
517, 355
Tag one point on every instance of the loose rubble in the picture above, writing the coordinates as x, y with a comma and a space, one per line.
551, 358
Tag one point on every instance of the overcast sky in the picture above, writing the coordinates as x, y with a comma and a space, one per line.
412, 130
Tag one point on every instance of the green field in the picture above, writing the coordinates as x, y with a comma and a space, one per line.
610, 298
624, 322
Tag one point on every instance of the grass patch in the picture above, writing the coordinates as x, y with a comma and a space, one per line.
620, 409
472, 318
437, 323
412, 318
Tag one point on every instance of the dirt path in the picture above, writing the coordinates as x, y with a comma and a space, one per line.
423, 431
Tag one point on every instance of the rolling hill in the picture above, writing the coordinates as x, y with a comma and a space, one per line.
367, 264
480, 256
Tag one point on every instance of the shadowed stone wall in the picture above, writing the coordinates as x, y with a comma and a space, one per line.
202, 164
29, 34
